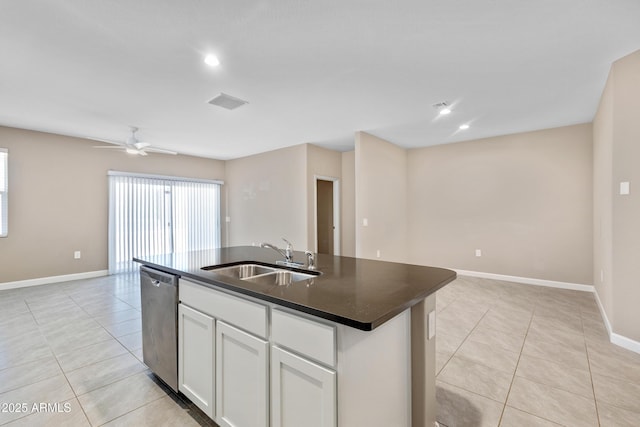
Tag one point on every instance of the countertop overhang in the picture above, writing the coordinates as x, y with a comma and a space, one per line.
356, 292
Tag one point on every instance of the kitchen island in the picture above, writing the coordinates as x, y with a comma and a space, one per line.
351, 344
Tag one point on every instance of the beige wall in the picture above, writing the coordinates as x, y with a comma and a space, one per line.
617, 150
381, 197
348, 196
602, 197
267, 197
525, 200
320, 162
58, 199
272, 195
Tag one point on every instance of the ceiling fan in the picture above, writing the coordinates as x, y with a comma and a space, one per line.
133, 145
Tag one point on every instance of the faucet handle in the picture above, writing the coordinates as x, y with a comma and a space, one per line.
289, 245
289, 250
311, 260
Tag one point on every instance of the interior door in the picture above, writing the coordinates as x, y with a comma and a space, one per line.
325, 216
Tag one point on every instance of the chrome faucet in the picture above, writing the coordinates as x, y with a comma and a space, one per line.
311, 260
287, 253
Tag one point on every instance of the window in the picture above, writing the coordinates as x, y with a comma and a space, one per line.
150, 215
4, 190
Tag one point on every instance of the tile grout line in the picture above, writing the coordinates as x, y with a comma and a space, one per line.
55, 356
104, 385
57, 362
517, 364
465, 337
550, 386
72, 389
134, 409
593, 388
456, 350
127, 350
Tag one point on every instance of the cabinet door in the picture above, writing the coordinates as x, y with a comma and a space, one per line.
196, 334
302, 392
242, 378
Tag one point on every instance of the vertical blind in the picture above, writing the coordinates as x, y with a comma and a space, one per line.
158, 215
4, 190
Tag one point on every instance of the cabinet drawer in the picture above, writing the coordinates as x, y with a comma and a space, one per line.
244, 314
304, 336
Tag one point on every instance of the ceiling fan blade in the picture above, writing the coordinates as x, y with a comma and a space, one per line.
160, 151
133, 145
105, 140
113, 147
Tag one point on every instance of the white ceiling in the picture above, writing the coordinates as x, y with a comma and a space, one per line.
312, 71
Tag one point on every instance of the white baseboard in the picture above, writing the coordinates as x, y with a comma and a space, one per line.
52, 279
616, 339
605, 319
527, 280
625, 342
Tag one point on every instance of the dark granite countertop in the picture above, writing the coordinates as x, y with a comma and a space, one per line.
356, 292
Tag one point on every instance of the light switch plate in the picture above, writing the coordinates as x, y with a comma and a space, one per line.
365, 222
624, 188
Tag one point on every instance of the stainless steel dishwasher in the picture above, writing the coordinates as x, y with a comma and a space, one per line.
159, 296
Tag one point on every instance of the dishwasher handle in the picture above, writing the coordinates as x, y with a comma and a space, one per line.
157, 277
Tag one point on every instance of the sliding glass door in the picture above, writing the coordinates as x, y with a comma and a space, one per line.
158, 215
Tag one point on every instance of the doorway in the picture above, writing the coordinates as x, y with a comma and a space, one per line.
327, 216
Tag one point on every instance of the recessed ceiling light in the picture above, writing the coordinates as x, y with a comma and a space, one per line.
464, 127
211, 60
445, 111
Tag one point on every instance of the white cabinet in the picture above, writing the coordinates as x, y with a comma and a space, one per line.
303, 393
242, 378
313, 340
196, 335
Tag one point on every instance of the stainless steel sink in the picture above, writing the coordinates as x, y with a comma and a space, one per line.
262, 274
281, 278
242, 271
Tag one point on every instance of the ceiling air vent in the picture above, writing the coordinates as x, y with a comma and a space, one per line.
227, 101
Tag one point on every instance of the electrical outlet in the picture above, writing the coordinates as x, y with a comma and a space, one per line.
478, 252
77, 255
378, 253
228, 219
431, 325
365, 222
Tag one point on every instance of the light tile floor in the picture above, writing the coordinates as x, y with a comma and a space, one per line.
78, 347
519, 355
507, 355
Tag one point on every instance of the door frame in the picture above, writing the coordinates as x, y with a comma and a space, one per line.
336, 211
